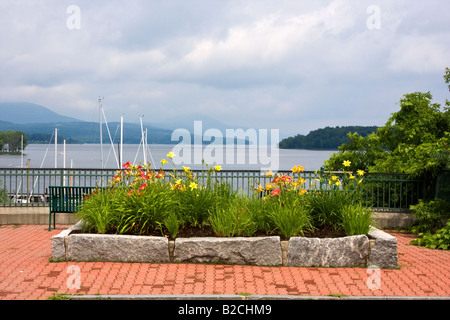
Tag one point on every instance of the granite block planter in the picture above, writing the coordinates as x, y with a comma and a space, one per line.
338, 252
260, 251
376, 249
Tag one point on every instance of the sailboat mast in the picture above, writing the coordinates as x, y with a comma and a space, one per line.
121, 142
56, 148
101, 129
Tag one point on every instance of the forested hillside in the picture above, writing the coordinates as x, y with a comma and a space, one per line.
326, 138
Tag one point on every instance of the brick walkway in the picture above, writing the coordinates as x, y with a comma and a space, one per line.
27, 274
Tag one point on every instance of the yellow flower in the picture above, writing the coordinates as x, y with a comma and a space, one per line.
186, 169
193, 186
302, 192
351, 176
338, 183
360, 172
302, 180
347, 163
218, 168
163, 161
269, 186
334, 178
171, 155
297, 169
269, 174
260, 189
178, 182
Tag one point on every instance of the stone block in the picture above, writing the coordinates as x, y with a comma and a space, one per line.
384, 252
117, 248
260, 251
328, 252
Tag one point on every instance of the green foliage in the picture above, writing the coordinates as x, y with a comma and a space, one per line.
12, 139
143, 211
360, 151
429, 215
326, 138
3, 193
173, 224
290, 219
439, 240
98, 211
356, 219
233, 220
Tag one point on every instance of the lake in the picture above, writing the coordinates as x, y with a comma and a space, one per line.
84, 156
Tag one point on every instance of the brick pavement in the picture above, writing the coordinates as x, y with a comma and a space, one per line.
26, 273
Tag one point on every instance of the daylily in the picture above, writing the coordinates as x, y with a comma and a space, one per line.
193, 186
360, 172
171, 155
347, 163
269, 174
259, 189
186, 169
275, 192
218, 168
126, 165
164, 161
302, 191
269, 186
143, 186
297, 169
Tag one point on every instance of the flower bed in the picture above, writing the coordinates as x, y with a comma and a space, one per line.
277, 218
141, 201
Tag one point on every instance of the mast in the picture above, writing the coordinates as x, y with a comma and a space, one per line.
101, 128
56, 148
121, 142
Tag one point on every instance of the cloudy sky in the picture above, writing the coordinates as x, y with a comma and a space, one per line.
291, 65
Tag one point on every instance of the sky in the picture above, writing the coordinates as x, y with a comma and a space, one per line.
291, 65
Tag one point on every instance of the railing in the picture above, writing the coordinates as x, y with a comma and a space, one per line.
29, 187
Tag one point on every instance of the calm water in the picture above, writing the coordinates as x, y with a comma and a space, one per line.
89, 156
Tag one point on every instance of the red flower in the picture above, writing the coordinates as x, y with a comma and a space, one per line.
127, 165
275, 192
143, 186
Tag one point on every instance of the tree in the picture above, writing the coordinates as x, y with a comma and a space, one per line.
14, 140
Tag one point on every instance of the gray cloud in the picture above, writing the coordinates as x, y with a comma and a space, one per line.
293, 65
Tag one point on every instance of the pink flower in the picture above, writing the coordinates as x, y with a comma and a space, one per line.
275, 192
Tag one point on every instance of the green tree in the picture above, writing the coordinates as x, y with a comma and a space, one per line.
14, 140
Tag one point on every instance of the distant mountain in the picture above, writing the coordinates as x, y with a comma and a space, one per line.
325, 138
23, 113
39, 124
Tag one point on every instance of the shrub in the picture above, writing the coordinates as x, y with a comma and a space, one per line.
429, 215
439, 240
356, 219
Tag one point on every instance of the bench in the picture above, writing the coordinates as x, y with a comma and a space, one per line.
65, 200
